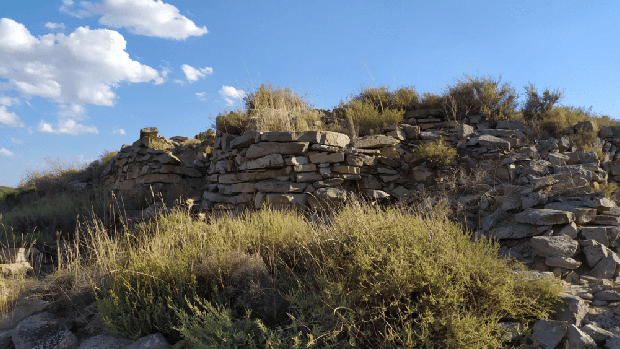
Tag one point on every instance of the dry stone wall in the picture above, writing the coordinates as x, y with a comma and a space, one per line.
169, 168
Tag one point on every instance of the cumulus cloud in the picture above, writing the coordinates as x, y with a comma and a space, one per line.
141, 17
202, 96
5, 152
118, 131
16, 141
230, 93
66, 126
55, 26
192, 74
72, 70
9, 101
10, 119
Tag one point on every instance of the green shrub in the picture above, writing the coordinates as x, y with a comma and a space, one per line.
372, 277
485, 96
206, 136
431, 101
233, 122
536, 106
434, 153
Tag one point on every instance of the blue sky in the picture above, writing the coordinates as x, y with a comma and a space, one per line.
81, 77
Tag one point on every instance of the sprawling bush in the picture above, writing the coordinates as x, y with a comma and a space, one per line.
536, 105
371, 277
483, 95
434, 153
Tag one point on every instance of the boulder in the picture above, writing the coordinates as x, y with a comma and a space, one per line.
326, 198
544, 217
269, 161
606, 267
562, 262
517, 231
493, 142
150, 132
103, 341
42, 331
287, 199
375, 141
597, 333
548, 333
578, 338
547, 246
572, 310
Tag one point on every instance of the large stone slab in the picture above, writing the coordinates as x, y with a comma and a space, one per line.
547, 334
287, 199
328, 197
517, 231
547, 246
266, 148
269, 161
493, 142
280, 187
320, 158
42, 331
244, 141
375, 141
544, 217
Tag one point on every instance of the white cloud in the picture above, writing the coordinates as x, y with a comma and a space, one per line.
72, 70
192, 74
230, 93
141, 17
180, 82
67, 8
5, 152
9, 101
66, 126
16, 141
10, 119
73, 110
55, 26
202, 96
118, 131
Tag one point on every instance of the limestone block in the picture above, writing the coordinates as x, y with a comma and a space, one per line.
158, 178
150, 132
390, 152
244, 141
328, 197
584, 215
333, 139
297, 160
562, 262
330, 182
544, 217
389, 178
167, 159
280, 187
259, 176
346, 169
606, 267
517, 231
228, 178
370, 183
412, 132
219, 198
465, 131
533, 199
572, 310
548, 333
326, 158
578, 338
402, 193
375, 141
606, 219
244, 198
152, 341
42, 331
546, 246
308, 177
493, 142
304, 168
570, 230
593, 251
421, 173
598, 234
597, 333
376, 194
243, 188
287, 199
608, 295
429, 136
558, 159
269, 161
266, 148
398, 134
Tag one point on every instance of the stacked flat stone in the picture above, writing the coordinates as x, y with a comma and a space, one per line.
141, 168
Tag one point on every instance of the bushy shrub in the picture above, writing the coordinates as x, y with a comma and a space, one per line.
372, 277
535, 105
483, 95
431, 101
207, 136
233, 122
434, 153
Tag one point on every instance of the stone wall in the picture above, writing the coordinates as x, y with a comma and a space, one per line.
169, 168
